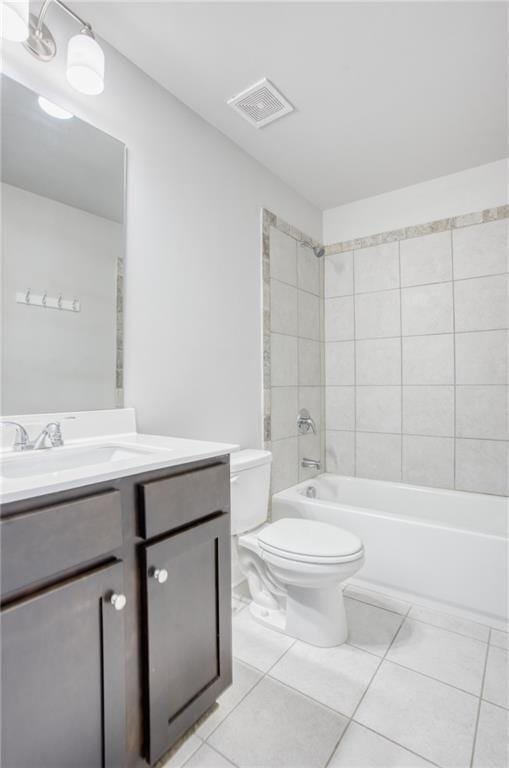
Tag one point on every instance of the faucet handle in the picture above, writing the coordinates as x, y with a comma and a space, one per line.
55, 434
22, 440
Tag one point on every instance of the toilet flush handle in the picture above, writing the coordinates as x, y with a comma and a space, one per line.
234, 479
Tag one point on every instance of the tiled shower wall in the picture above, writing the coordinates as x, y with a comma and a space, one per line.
293, 350
416, 346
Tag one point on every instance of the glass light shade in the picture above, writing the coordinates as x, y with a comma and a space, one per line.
53, 109
85, 65
14, 20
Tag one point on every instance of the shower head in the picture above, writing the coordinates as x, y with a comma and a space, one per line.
317, 250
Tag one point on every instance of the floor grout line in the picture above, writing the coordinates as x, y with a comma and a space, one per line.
476, 728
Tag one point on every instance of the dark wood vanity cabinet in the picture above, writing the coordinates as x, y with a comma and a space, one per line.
63, 693
91, 681
186, 577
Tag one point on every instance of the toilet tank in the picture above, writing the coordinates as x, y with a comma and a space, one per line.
250, 486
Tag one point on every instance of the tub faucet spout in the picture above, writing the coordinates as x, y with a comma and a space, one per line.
311, 464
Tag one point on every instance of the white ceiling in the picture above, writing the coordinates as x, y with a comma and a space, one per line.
386, 94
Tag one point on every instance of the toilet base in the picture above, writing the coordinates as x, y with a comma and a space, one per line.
315, 616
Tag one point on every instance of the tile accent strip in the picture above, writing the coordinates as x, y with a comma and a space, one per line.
441, 225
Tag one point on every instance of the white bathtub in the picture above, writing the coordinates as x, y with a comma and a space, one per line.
439, 545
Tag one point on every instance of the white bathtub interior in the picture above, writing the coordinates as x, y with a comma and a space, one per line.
436, 545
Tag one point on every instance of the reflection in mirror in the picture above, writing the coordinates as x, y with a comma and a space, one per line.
62, 184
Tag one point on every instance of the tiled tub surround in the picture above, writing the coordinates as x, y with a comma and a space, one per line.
416, 348
293, 350
411, 687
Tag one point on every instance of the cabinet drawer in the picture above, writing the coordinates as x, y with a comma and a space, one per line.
175, 501
41, 543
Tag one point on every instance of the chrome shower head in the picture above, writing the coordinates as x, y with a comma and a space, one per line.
319, 251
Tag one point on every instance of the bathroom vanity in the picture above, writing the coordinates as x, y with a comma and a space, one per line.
116, 603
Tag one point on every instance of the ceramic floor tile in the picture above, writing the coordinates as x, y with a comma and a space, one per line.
255, 644
206, 757
178, 757
361, 748
492, 742
244, 678
335, 676
441, 654
496, 682
377, 599
453, 623
371, 628
500, 639
275, 727
424, 715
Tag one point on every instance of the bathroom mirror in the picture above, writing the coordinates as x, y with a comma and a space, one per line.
62, 258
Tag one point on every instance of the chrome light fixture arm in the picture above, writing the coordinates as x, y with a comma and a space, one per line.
40, 42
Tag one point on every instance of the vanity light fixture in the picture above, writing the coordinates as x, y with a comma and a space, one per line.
14, 20
53, 109
85, 57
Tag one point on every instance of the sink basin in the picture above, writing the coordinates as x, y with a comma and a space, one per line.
53, 460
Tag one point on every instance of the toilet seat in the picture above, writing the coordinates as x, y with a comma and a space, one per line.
309, 541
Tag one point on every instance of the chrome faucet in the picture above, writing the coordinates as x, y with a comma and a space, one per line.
305, 423
311, 464
22, 442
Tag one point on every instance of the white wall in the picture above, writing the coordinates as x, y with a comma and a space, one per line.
50, 359
193, 364
466, 192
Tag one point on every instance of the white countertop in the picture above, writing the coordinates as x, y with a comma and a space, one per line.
156, 452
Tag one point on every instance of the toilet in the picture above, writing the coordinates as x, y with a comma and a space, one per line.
294, 567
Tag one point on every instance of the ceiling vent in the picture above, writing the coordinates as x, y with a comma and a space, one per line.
261, 104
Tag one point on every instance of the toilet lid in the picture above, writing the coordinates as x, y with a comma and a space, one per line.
309, 540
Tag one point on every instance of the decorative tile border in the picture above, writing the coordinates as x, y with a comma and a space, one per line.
271, 220
418, 230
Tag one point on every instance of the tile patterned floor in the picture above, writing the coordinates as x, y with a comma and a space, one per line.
413, 687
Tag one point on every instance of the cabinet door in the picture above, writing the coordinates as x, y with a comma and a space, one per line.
63, 696
188, 615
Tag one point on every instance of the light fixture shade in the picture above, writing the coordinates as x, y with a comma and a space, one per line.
85, 64
14, 20
53, 109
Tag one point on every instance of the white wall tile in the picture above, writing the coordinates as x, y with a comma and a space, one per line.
339, 408
481, 249
481, 466
427, 309
428, 359
339, 319
378, 361
481, 303
378, 456
340, 452
377, 315
481, 357
377, 268
426, 259
378, 409
482, 412
339, 362
309, 316
284, 412
428, 411
339, 274
428, 461
283, 360
285, 458
310, 362
308, 271
283, 308
283, 257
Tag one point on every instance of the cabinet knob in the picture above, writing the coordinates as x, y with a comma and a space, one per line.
159, 574
118, 601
